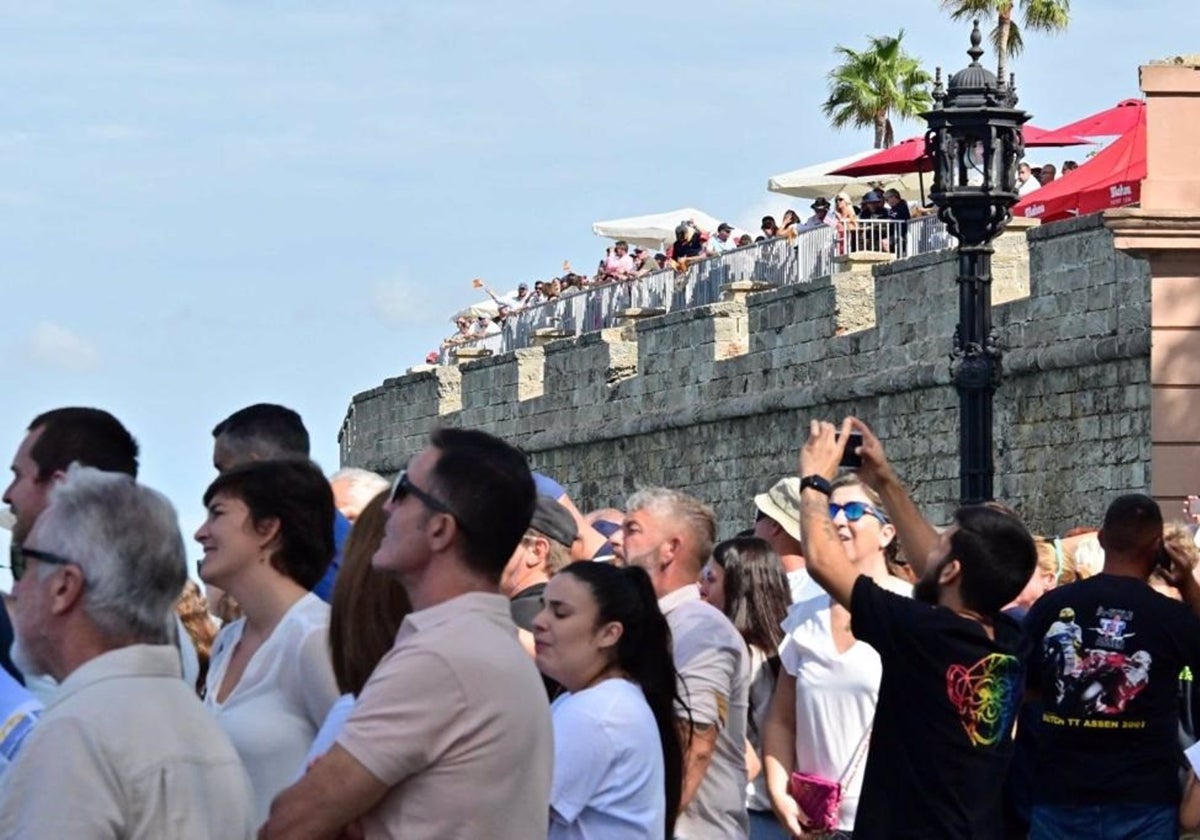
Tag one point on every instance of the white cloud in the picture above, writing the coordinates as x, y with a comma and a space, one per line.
56, 347
400, 303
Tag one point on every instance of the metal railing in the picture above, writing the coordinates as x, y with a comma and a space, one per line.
778, 262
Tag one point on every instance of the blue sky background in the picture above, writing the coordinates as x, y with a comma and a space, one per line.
208, 204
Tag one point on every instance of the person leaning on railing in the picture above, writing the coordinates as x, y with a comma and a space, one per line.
847, 221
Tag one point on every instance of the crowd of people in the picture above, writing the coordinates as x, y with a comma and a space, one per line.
462, 652
623, 264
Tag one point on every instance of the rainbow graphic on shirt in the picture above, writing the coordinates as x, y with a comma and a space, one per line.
986, 696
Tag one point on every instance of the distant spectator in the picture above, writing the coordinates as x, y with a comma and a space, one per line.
791, 224
617, 264
1036, 172
1048, 174
744, 240
661, 259
687, 243
871, 237
1026, 183
538, 296
1069, 166
553, 289
846, 221
769, 227
722, 242
821, 215
462, 332
643, 262
900, 214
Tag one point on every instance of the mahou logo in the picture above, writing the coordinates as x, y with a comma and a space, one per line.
1034, 210
1120, 192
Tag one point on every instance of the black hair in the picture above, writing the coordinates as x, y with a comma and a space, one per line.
294, 492
488, 485
626, 595
1132, 523
275, 427
997, 555
757, 595
768, 220
91, 436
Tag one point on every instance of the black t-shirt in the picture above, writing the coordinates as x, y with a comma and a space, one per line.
1106, 661
690, 247
942, 738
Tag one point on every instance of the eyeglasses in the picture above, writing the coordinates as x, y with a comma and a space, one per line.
403, 487
855, 511
19, 560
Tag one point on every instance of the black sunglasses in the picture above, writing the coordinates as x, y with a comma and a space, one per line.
20, 555
402, 487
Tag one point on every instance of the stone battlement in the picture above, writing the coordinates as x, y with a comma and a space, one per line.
716, 401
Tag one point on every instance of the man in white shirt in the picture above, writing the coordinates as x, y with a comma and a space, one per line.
723, 240
671, 536
1026, 183
130, 750
821, 215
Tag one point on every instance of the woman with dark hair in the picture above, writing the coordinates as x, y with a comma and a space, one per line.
267, 541
364, 617
745, 580
820, 718
618, 760
790, 226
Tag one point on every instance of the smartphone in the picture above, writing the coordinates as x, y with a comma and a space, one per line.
1163, 559
850, 456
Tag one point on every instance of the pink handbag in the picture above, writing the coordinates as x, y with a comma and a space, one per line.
820, 799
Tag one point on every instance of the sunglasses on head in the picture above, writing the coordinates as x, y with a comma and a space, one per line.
855, 511
402, 487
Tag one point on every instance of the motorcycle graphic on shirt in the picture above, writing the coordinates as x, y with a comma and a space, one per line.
1097, 681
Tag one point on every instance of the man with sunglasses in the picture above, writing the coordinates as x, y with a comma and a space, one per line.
130, 750
451, 735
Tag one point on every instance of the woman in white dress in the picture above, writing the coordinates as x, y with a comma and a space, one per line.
618, 761
824, 704
267, 540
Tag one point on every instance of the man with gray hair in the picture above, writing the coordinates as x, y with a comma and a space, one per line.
354, 488
671, 536
130, 750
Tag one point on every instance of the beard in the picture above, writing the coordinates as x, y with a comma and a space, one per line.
927, 588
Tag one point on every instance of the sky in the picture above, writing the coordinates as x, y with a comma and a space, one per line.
209, 204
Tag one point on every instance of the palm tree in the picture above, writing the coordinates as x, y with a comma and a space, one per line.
870, 87
1036, 16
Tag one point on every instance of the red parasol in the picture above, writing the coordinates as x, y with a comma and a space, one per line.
1115, 121
909, 155
1113, 178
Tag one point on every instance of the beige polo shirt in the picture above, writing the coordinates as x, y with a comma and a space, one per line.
455, 720
124, 749
714, 675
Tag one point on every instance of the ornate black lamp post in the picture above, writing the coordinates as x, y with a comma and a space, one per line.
974, 139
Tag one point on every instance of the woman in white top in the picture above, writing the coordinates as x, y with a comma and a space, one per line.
820, 717
267, 540
745, 580
618, 761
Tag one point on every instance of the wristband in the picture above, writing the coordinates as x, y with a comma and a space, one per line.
816, 482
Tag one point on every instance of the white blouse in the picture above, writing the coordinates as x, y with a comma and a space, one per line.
274, 711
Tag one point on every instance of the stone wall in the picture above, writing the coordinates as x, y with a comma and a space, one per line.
716, 401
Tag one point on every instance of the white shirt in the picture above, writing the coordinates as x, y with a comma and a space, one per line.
836, 695
609, 781
327, 735
801, 586
1029, 186
125, 750
762, 686
274, 711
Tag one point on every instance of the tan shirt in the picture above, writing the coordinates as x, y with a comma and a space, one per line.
125, 750
455, 720
714, 674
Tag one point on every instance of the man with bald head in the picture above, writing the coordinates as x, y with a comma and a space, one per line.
671, 536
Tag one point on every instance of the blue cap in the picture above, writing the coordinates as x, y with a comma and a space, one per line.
547, 486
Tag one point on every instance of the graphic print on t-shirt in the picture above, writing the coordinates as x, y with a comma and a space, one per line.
986, 696
1101, 680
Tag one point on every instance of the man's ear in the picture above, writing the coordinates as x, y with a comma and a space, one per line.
440, 530
67, 590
